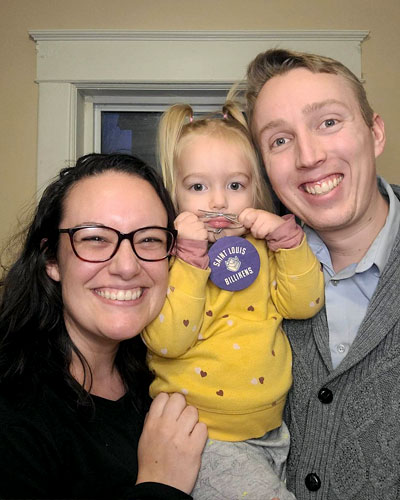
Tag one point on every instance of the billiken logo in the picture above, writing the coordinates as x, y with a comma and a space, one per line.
234, 263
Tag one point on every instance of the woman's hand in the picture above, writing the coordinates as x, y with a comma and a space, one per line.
171, 443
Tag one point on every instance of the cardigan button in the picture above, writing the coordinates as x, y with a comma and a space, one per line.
325, 396
313, 482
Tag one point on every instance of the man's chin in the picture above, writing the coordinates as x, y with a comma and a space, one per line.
326, 224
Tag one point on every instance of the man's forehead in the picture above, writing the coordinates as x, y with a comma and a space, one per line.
304, 90
302, 76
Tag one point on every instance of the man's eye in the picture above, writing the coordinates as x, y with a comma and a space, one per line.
197, 187
329, 123
235, 186
279, 142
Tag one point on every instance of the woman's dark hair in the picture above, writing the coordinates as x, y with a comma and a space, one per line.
33, 338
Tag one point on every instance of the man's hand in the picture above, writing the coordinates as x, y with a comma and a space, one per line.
171, 443
190, 227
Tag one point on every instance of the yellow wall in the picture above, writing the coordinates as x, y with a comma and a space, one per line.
19, 96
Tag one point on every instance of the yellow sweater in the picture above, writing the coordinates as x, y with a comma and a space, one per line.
226, 351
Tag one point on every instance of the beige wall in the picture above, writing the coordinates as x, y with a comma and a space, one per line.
19, 96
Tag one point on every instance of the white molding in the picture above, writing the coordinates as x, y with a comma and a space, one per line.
76, 68
183, 85
240, 35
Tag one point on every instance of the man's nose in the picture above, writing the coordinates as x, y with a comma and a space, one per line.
310, 151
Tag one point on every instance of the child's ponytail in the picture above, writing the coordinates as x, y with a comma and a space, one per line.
232, 108
169, 133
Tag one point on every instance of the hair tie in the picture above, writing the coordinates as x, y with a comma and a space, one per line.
65, 171
191, 119
225, 116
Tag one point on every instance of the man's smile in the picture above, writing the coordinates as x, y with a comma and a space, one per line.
323, 187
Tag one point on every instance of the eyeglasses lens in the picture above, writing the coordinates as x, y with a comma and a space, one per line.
152, 244
97, 244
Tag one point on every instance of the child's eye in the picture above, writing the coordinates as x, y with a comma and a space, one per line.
197, 187
235, 186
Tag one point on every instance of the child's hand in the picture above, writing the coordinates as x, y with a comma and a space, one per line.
259, 222
190, 227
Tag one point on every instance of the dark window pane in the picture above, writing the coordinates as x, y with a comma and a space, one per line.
132, 132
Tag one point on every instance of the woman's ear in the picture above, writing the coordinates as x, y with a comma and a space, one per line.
51, 265
52, 270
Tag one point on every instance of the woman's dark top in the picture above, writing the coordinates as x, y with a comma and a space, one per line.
51, 450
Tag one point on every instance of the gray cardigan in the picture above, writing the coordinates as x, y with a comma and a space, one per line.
345, 423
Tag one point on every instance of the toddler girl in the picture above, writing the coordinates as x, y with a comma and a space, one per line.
218, 339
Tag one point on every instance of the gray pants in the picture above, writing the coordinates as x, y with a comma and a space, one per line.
251, 470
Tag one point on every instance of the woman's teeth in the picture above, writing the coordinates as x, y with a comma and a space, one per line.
120, 294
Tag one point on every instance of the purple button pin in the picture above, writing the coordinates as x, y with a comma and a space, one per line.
234, 263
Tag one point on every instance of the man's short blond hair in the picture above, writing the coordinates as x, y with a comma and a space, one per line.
276, 62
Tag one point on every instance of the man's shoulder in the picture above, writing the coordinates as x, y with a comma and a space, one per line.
384, 185
396, 189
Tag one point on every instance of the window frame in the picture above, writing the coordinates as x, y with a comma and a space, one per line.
202, 100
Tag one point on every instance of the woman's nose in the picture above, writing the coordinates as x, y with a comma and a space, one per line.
125, 262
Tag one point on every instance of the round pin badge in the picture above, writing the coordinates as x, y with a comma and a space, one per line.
234, 263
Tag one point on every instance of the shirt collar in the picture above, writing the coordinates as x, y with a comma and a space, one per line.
378, 253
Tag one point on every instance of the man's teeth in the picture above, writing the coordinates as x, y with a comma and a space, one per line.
121, 294
325, 187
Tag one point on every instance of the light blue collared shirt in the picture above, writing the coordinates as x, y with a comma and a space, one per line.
348, 292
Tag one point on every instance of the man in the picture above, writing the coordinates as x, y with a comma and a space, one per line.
319, 139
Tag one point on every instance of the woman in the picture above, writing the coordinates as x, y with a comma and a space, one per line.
73, 384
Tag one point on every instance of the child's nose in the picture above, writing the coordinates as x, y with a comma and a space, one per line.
218, 200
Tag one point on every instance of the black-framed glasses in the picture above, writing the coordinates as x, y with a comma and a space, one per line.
101, 243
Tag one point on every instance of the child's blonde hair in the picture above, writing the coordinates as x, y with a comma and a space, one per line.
177, 123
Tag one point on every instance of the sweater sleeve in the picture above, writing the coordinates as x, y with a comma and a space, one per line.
29, 463
177, 327
297, 285
193, 252
288, 235
156, 491
30, 466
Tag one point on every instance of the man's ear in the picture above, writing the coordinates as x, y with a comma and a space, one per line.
378, 131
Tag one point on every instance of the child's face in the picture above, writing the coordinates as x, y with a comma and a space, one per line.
214, 174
